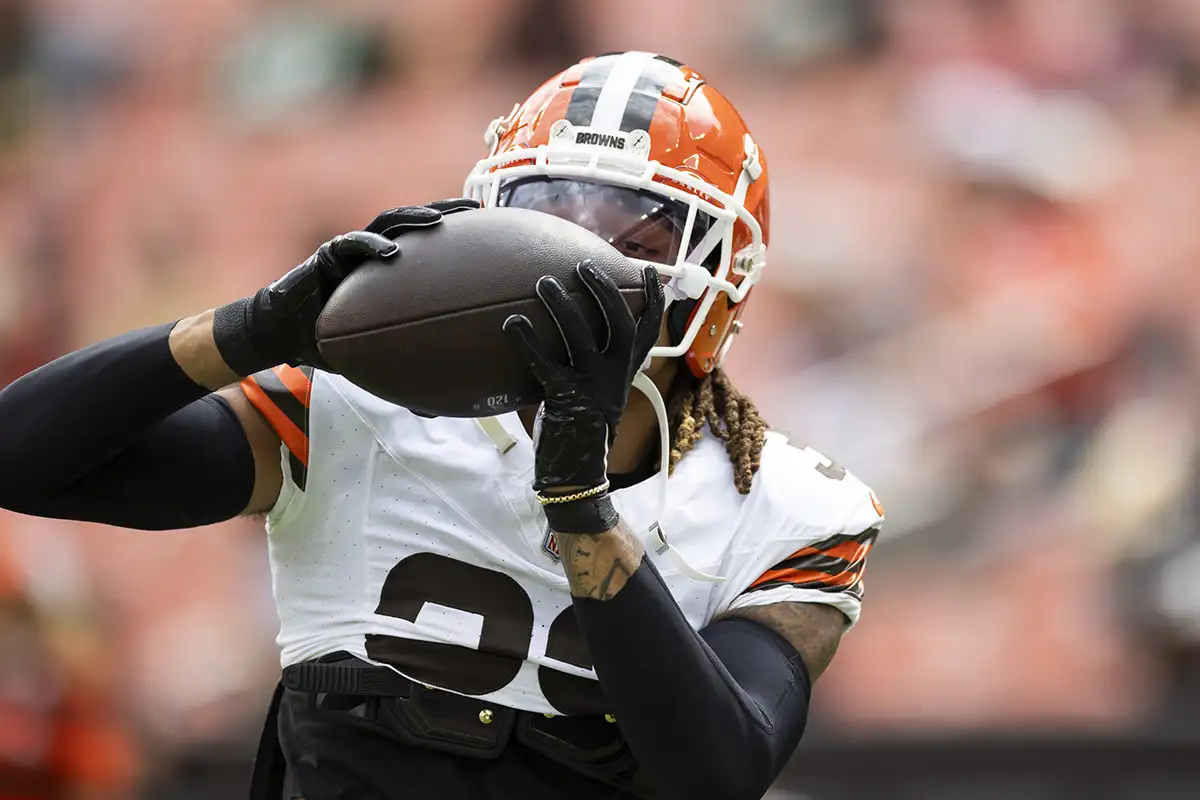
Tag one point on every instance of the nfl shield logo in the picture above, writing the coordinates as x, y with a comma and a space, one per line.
550, 545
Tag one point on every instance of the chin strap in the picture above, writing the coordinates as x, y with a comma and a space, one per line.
655, 537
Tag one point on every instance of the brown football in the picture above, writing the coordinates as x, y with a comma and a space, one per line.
423, 330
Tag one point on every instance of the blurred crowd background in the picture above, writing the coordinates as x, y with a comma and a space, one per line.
980, 298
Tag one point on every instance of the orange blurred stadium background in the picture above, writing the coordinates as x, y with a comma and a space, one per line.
980, 297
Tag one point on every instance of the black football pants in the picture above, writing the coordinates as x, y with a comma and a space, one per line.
345, 755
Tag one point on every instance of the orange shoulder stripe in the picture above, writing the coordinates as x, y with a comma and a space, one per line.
801, 576
296, 382
288, 431
851, 551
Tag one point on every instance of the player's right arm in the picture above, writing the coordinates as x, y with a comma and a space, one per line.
121, 432
145, 430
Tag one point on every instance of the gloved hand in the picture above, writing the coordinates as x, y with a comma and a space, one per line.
585, 397
278, 324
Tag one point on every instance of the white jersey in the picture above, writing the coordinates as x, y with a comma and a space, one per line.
417, 544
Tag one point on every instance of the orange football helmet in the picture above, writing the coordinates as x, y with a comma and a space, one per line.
645, 134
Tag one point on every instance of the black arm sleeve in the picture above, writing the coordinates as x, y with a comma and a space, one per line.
714, 714
118, 433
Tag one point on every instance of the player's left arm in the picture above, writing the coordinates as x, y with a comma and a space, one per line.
714, 713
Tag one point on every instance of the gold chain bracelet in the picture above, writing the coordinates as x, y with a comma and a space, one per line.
547, 500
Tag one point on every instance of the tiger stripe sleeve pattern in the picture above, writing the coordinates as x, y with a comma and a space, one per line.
835, 564
283, 396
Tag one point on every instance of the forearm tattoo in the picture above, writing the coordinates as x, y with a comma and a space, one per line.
599, 564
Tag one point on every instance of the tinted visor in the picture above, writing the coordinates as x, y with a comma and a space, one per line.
640, 224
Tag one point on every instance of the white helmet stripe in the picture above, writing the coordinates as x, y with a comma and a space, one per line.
617, 89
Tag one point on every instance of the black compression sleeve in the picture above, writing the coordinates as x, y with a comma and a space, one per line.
715, 714
118, 433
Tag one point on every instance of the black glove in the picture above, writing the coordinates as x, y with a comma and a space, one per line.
585, 398
278, 325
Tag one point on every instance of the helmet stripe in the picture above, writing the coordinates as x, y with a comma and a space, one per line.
643, 101
614, 97
639, 111
582, 106
620, 91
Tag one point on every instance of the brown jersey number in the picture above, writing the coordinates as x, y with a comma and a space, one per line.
504, 639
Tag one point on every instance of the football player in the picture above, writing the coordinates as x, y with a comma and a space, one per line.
468, 607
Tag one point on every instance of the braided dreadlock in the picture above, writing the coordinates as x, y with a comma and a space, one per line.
731, 416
